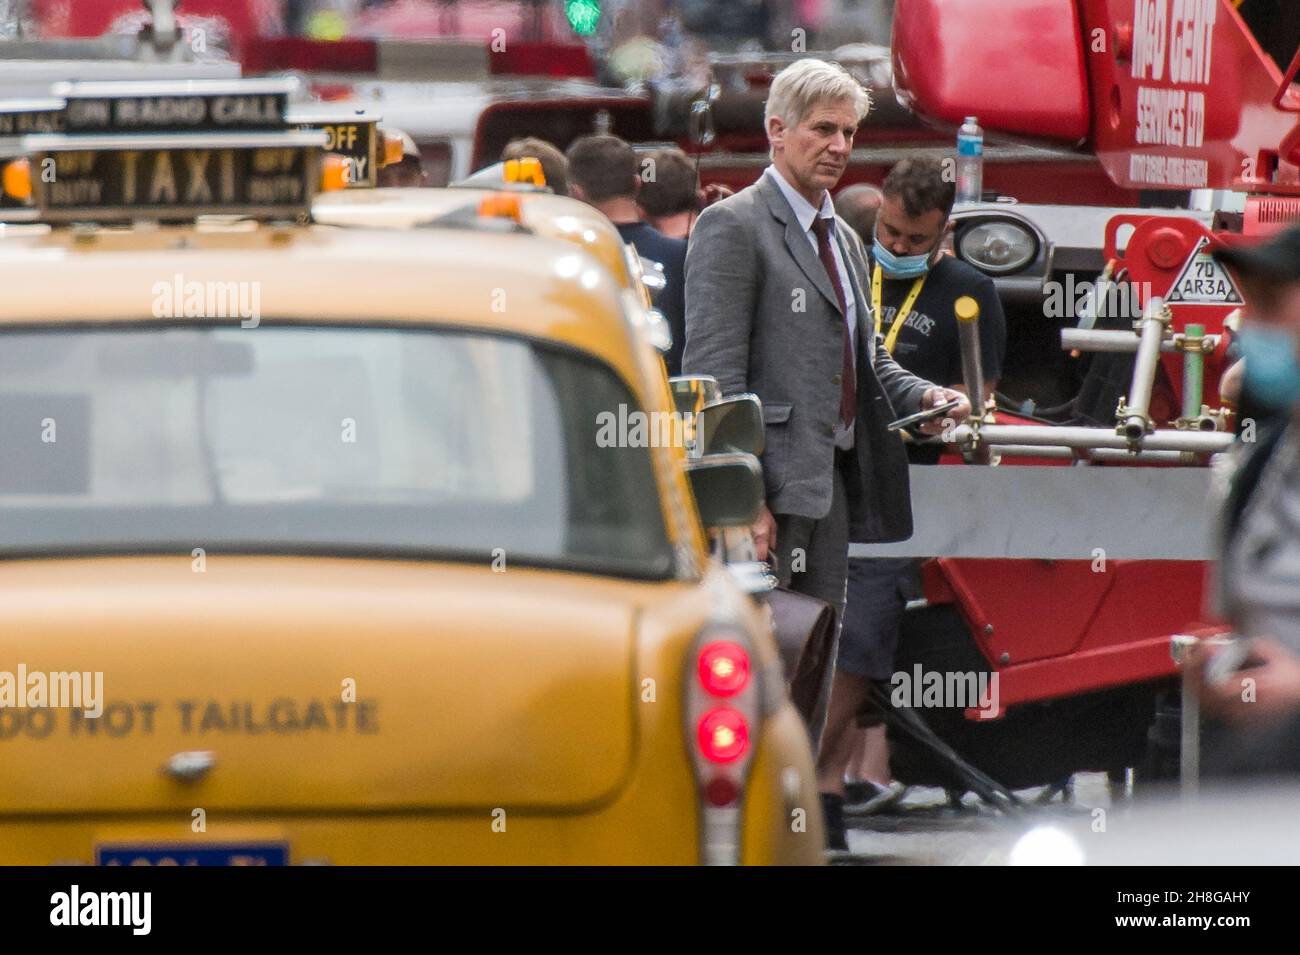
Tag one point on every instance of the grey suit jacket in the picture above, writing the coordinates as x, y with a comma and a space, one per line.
762, 316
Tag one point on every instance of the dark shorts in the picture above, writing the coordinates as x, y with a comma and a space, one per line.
878, 590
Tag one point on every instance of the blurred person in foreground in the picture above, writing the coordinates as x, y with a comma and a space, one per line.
1254, 708
672, 198
778, 305
604, 172
554, 166
409, 170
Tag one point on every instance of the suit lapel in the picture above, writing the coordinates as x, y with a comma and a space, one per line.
857, 279
796, 240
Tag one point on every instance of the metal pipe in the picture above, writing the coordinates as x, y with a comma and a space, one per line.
1193, 372
1093, 455
1155, 320
967, 311
1112, 340
1197, 442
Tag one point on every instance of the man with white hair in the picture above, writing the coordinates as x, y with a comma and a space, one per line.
776, 305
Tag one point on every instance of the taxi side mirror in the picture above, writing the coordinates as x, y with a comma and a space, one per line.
728, 489
733, 424
693, 392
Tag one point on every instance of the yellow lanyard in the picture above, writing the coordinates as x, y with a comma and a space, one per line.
901, 315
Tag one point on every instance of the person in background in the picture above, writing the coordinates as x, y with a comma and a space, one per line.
858, 205
914, 287
671, 197
604, 172
409, 171
1254, 706
554, 166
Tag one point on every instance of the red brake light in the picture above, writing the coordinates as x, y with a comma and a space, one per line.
724, 668
723, 735
721, 792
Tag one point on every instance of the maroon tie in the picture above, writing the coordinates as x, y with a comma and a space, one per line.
848, 378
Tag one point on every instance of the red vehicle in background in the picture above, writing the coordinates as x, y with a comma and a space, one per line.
1076, 571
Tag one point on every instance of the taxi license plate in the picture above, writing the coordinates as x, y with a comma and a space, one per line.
191, 854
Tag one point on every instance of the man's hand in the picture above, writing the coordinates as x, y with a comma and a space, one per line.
938, 396
764, 531
1276, 691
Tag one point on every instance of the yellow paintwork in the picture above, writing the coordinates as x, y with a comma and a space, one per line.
482, 700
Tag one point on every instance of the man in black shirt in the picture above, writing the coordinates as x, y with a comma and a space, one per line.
914, 286
603, 172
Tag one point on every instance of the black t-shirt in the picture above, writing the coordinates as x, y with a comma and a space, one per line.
928, 345
671, 254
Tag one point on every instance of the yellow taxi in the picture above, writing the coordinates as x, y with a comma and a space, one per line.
540, 212
354, 546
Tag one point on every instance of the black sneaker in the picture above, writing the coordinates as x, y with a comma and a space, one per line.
833, 815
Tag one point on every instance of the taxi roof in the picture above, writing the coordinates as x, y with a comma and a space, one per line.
546, 214
513, 283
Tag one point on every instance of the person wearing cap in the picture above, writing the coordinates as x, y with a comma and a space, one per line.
409, 170
1255, 708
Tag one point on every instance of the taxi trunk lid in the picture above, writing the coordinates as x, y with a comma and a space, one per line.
316, 684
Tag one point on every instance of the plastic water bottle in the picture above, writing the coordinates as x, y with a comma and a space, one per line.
970, 161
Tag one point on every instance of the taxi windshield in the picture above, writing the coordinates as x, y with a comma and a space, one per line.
401, 441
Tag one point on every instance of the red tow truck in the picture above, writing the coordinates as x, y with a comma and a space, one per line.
1074, 561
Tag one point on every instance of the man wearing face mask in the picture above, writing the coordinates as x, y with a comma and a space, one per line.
914, 285
1258, 575
913, 288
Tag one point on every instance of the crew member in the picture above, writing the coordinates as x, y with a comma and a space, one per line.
914, 287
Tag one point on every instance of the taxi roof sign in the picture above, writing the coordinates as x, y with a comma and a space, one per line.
184, 106
26, 116
350, 133
173, 151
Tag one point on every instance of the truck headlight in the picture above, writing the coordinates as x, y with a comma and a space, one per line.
998, 246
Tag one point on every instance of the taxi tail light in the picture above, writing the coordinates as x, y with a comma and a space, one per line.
723, 714
723, 668
17, 179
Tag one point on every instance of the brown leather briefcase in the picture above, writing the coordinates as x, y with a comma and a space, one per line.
804, 628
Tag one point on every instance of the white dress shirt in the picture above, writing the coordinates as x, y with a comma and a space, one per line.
806, 212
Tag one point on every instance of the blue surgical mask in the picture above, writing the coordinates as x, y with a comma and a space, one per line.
1272, 369
900, 266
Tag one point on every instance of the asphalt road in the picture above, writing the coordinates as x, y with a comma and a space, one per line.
926, 830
